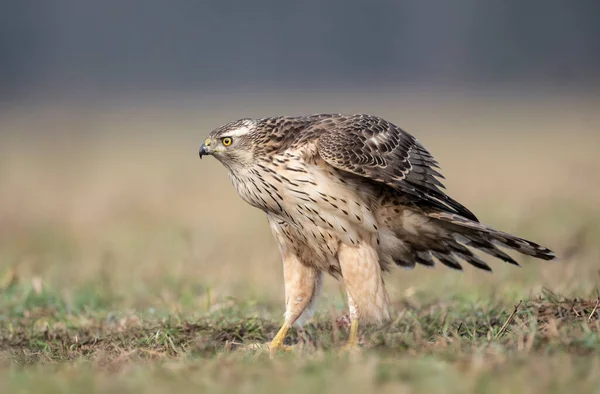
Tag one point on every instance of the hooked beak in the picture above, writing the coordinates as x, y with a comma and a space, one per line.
204, 148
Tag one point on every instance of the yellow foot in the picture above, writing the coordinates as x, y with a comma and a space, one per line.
350, 348
266, 346
352, 345
276, 344
274, 348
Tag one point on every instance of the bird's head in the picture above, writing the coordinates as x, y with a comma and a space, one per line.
231, 144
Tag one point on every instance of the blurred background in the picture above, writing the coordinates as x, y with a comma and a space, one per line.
67, 47
103, 106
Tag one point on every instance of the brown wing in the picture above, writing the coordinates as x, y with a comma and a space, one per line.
378, 150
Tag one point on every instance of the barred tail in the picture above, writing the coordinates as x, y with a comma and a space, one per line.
486, 239
423, 237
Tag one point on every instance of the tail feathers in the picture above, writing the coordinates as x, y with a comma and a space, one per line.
416, 257
468, 256
424, 258
448, 260
487, 247
446, 252
457, 233
485, 238
521, 245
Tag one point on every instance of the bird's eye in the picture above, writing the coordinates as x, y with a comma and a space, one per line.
227, 141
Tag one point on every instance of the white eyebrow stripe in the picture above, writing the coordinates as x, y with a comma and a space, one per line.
237, 132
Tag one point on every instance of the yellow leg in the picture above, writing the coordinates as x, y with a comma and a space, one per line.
352, 343
277, 342
353, 337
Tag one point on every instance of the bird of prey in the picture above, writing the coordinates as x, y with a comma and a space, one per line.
352, 196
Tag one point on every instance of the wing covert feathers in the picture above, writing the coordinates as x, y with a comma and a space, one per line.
376, 149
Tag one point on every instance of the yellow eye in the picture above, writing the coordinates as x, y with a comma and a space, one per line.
227, 141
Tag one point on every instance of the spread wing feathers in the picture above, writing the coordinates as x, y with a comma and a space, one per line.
373, 148
452, 236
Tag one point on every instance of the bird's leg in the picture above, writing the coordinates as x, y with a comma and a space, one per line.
367, 297
277, 342
352, 342
353, 337
302, 284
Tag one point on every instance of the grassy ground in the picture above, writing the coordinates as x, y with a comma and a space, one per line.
127, 265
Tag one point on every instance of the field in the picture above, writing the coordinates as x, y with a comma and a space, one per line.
128, 265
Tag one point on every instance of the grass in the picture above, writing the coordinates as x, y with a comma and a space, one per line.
427, 346
126, 265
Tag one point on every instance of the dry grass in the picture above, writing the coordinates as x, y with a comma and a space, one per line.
124, 256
